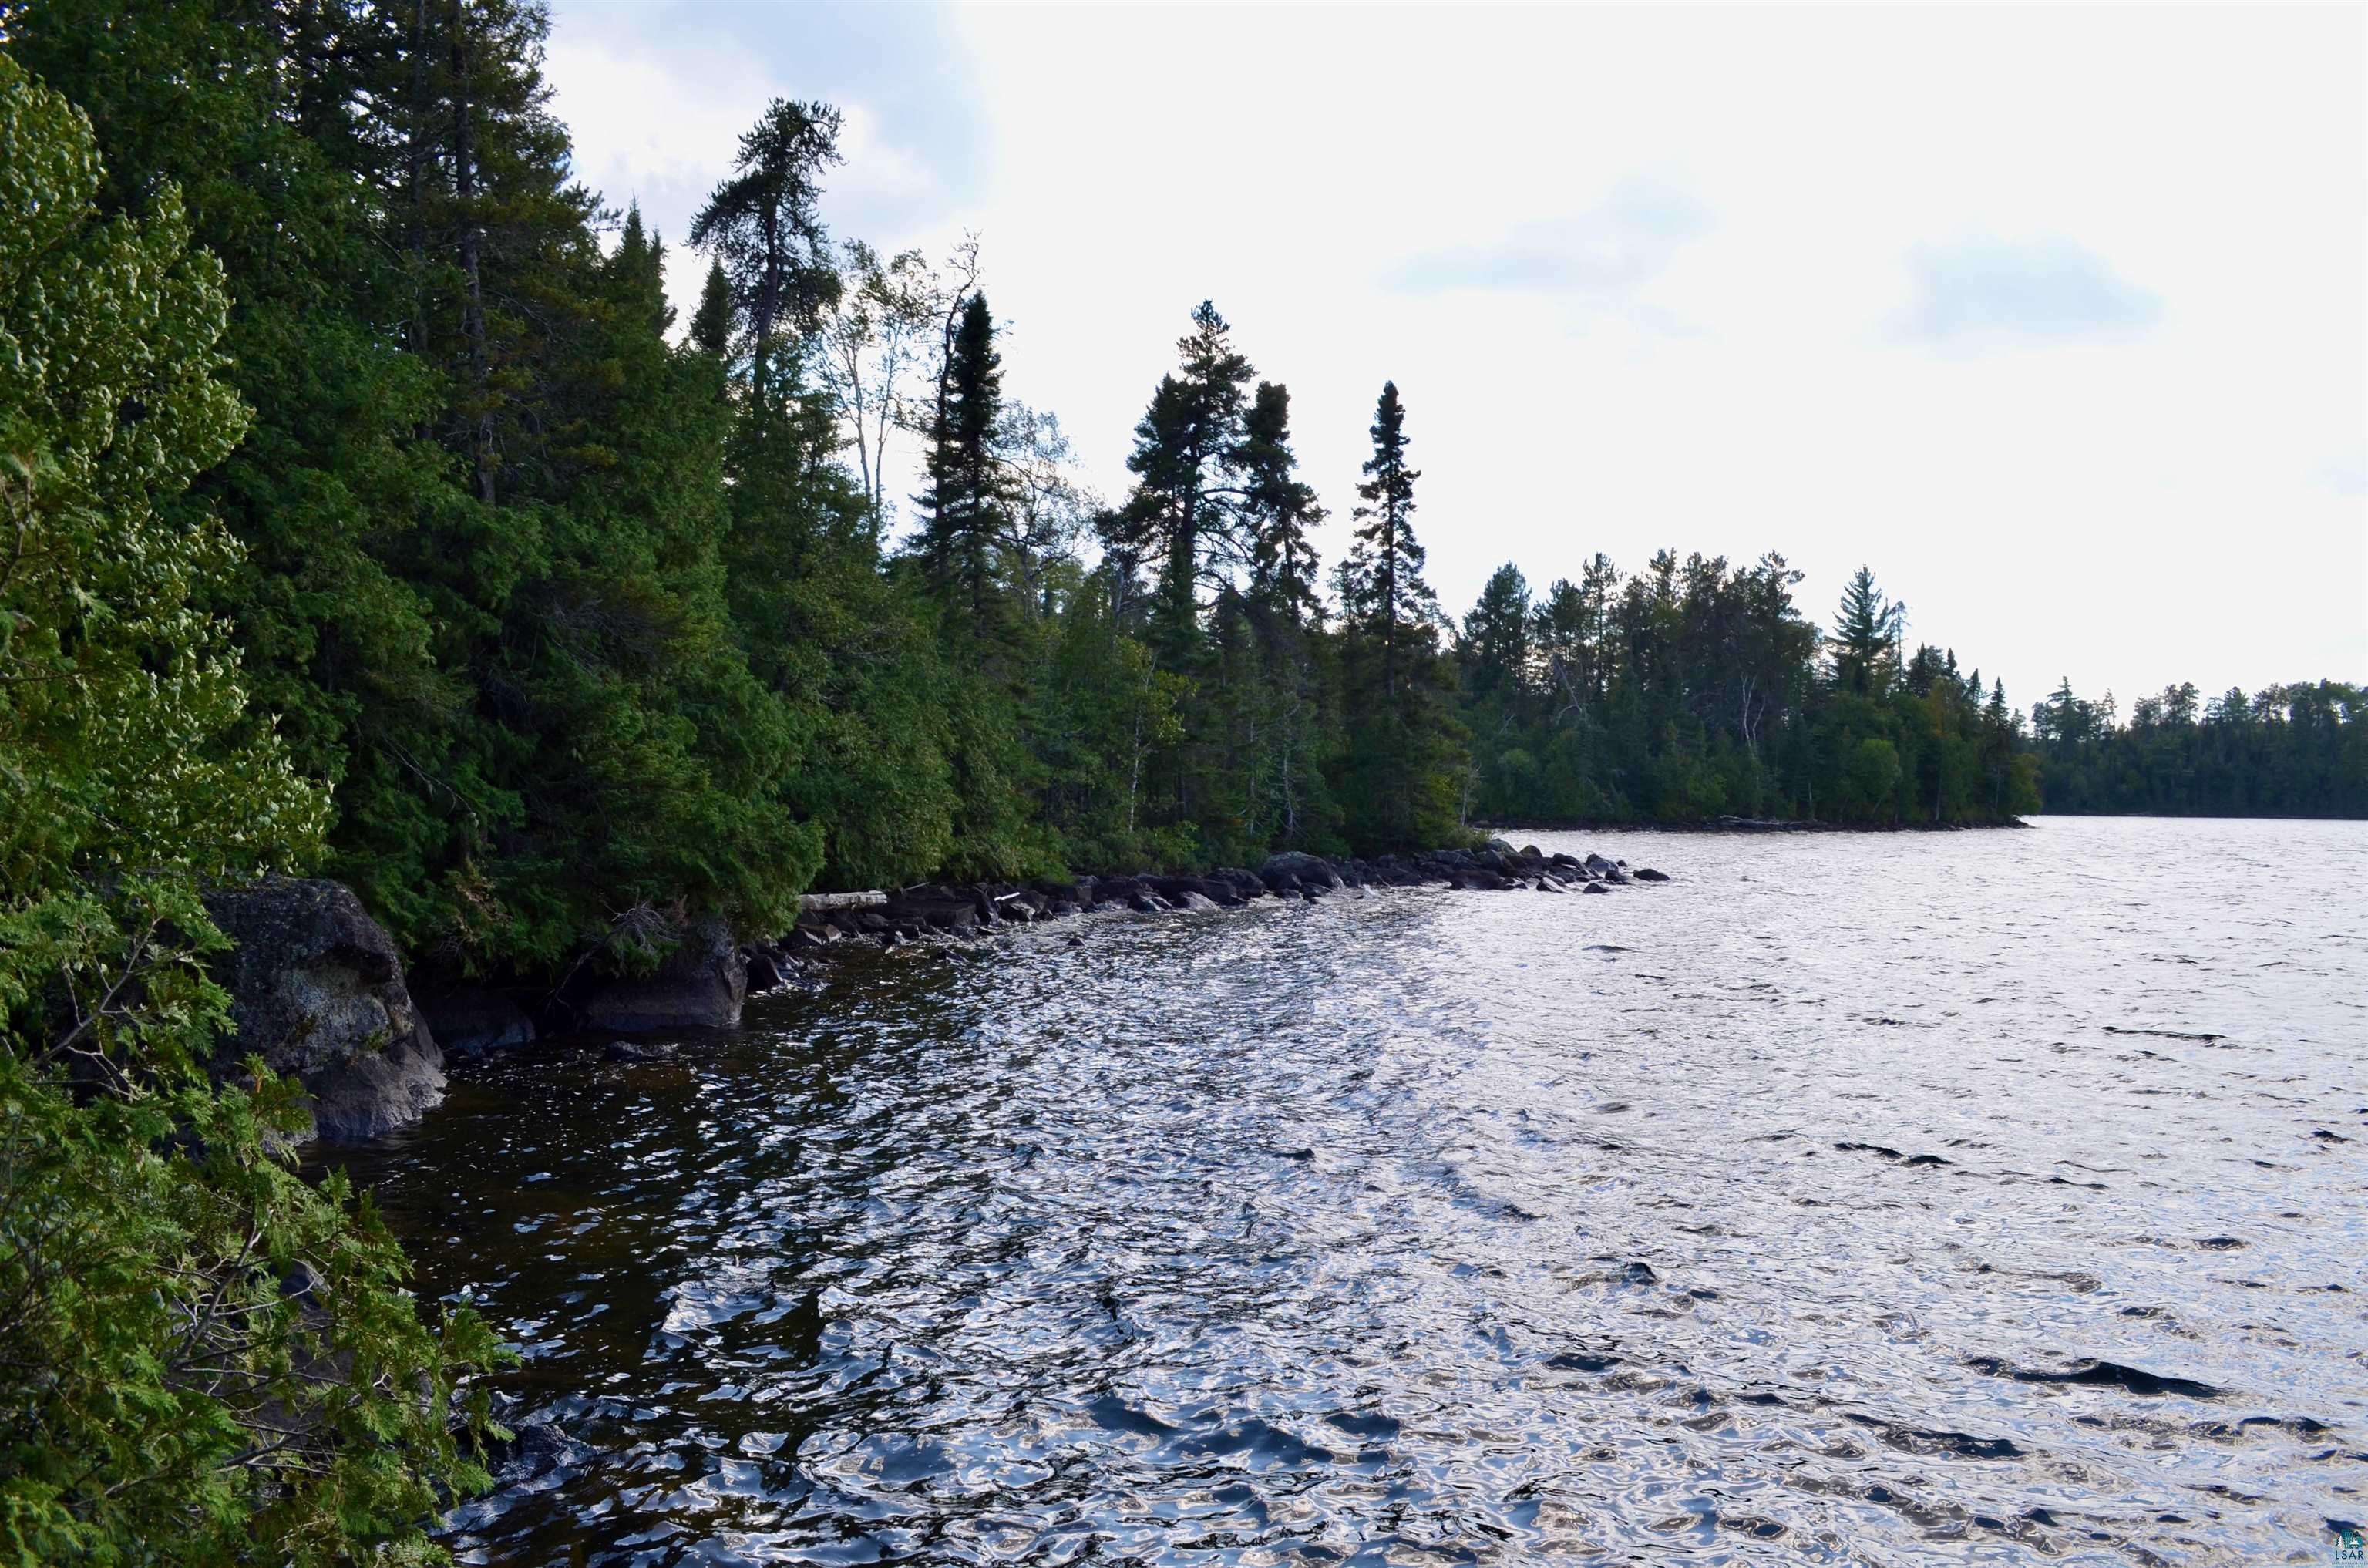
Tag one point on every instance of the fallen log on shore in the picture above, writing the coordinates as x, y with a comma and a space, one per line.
822, 902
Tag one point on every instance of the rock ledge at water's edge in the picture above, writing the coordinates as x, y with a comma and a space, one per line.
938, 912
704, 980
317, 990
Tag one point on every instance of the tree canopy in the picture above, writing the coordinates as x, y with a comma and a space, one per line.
365, 509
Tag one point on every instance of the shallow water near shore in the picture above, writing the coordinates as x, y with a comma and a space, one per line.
1850, 1199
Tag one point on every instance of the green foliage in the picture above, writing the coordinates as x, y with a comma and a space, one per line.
203, 1359
362, 506
1278, 509
1870, 778
1403, 766
2297, 750
1183, 517
763, 227
966, 526
1696, 689
1101, 715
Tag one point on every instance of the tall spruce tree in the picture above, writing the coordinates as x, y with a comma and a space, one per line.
1384, 577
1278, 509
966, 500
711, 324
1404, 764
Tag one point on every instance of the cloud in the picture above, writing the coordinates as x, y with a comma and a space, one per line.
644, 130
2346, 475
1597, 260
656, 98
1978, 293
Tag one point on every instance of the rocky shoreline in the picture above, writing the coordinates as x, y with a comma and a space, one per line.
942, 912
318, 990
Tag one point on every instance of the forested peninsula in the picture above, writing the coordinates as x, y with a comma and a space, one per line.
365, 513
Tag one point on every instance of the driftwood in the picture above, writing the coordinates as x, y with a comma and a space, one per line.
813, 903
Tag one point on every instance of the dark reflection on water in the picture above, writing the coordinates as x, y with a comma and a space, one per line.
1832, 1204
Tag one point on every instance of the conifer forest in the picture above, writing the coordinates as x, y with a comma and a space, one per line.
371, 515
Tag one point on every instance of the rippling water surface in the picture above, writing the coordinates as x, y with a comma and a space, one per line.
1848, 1200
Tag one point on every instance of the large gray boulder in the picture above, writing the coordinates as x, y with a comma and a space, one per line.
1291, 869
317, 990
700, 985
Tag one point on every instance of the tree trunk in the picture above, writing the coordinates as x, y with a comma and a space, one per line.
472, 309
416, 173
812, 903
766, 305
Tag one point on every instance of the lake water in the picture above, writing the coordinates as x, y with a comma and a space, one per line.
1867, 1199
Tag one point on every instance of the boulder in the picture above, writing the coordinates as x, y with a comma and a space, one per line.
1246, 885
764, 967
475, 1018
700, 985
912, 914
1647, 874
1294, 870
317, 990
1211, 892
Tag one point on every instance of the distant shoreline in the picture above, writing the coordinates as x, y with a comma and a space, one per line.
1744, 824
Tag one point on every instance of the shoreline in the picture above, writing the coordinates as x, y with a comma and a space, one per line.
704, 983
939, 914
1749, 824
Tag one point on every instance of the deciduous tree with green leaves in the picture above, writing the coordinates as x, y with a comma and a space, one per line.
204, 1359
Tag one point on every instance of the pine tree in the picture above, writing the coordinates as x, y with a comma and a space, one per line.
1404, 768
763, 227
1495, 647
344, 499
1865, 638
710, 324
966, 502
1278, 509
1184, 509
491, 212
1384, 588
651, 754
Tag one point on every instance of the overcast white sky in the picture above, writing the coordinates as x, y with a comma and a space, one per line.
2056, 316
